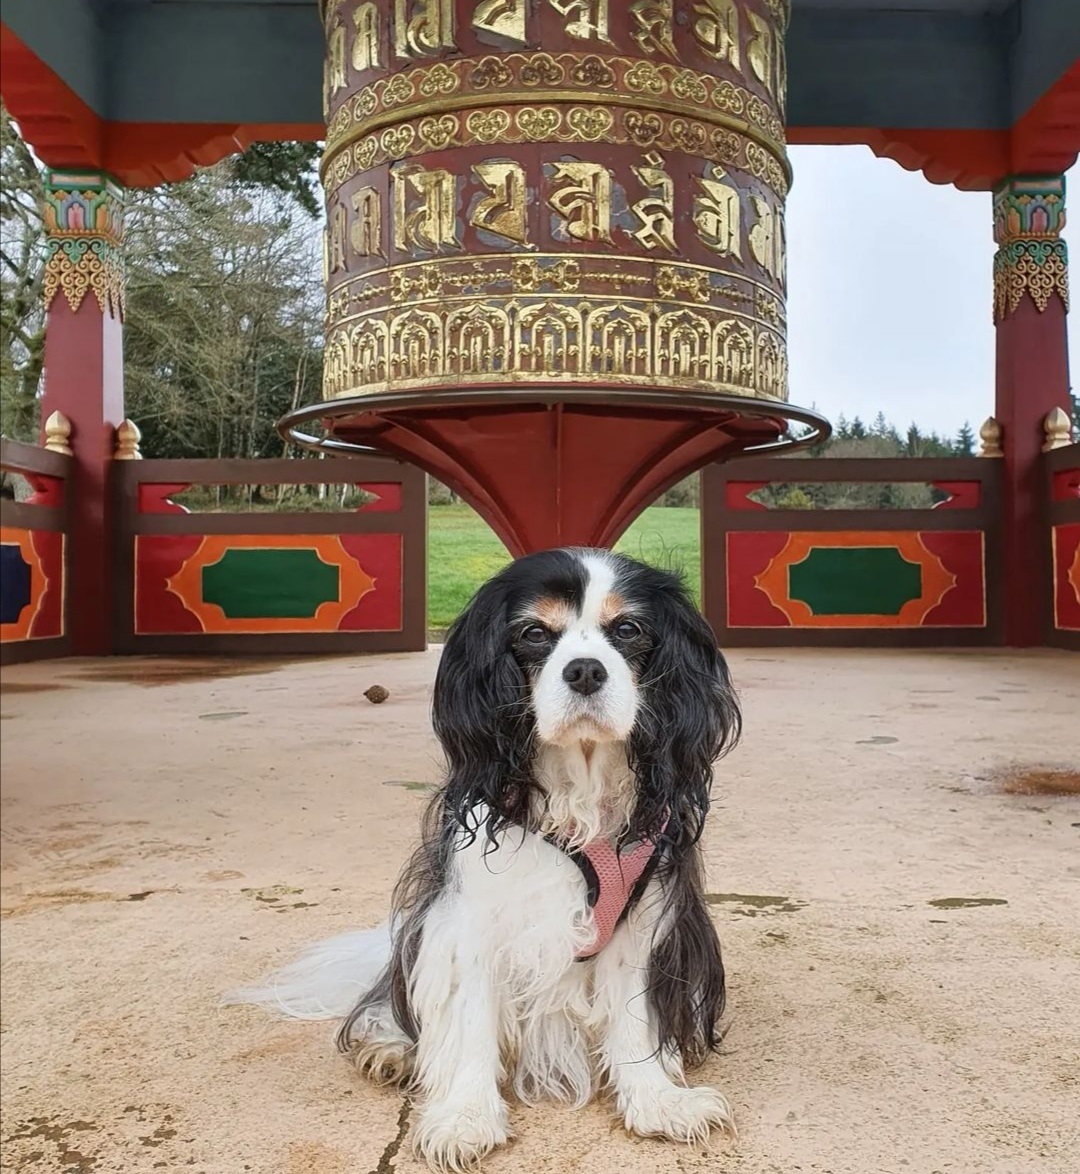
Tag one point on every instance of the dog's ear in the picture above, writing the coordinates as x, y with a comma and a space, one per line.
689, 716
482, 716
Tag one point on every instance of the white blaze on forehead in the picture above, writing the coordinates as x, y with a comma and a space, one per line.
563, 716
599, 587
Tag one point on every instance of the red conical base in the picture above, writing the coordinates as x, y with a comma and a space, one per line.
565, 468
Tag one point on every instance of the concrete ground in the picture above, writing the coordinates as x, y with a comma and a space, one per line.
896, 885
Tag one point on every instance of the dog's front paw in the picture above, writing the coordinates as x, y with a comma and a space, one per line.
681, 1114
454, 1137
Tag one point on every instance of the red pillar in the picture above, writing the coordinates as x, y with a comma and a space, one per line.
84, 378
1032, 378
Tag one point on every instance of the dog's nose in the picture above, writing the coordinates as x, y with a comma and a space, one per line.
584, 675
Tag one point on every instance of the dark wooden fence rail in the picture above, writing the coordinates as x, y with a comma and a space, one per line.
1062, 470
871, 577
34, 554
270, 581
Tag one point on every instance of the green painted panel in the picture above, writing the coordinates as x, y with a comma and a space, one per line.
250, 583
855, 580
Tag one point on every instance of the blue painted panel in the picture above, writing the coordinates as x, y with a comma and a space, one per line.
14, 583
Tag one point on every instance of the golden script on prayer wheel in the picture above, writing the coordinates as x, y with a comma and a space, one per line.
568, 193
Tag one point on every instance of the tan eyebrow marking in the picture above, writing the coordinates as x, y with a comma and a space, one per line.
611, 608
555, 614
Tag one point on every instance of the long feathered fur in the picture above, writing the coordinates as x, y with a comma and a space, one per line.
688, 717
475, 853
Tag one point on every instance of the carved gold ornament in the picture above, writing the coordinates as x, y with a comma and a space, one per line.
717, 215
424, 214
582, 198
423, 28
656, 212
1037, 269
566, 77
365, 234
548, 339
1032, 260
652, 27
576, 124
716, 27
83, 217
365, 46
585, 19
502, 213
504, 18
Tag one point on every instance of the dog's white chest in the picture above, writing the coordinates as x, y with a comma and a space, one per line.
526, 900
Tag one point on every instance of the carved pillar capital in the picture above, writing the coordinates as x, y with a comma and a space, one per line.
1032, 259
84, 228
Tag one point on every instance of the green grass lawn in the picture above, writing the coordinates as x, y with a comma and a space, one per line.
463, 552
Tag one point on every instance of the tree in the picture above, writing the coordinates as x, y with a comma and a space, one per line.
22, 259
223, 307
285, 167
223, 326
964, 444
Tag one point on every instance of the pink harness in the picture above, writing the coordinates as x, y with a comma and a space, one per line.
614, 883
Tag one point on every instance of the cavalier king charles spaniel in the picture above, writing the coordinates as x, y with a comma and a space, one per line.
550, 930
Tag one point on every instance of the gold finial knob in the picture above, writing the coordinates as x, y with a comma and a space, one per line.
127, 441
58, 433
1058, 429
990, 435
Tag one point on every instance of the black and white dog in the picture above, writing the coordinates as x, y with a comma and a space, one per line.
551, 926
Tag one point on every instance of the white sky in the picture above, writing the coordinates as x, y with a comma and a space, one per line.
890, 292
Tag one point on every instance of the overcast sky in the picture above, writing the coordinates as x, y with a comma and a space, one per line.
890, 292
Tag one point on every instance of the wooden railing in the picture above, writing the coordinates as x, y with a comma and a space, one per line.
1062, 473
34, 552
814, 576
273, 579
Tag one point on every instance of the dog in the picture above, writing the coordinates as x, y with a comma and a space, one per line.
550, 933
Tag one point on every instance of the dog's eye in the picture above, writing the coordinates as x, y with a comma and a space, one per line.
535, 634
627, 630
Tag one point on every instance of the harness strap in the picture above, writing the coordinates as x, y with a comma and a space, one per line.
614, 882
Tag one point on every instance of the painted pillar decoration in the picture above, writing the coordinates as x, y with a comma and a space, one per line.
1031, 300
539, 210
84, 299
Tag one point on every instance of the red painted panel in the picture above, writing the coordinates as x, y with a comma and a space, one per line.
154, 499
962, 553
1066, 485
748, 554
47, 490
157, 558
964, 495
1067, 576
388, 497
380, 610
49, 621
737, 495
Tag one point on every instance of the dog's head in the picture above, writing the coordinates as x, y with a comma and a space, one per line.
583, 646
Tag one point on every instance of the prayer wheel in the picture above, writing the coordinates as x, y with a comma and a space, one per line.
555, 248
